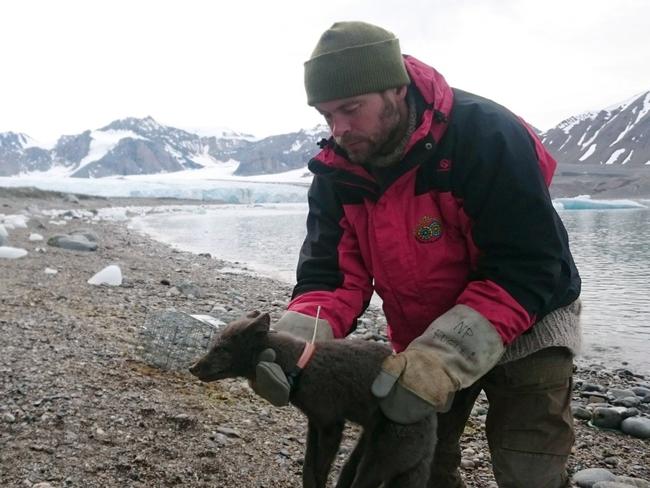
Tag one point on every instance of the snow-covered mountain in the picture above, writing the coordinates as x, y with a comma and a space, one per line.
615, 138
617, 135
134, 146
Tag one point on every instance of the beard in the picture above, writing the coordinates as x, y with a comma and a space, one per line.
366, 148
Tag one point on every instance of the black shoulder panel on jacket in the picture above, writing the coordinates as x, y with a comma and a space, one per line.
495, 171
318, 266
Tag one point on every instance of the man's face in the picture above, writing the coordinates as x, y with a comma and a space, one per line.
365, 125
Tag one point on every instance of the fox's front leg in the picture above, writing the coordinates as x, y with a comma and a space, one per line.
351, 466
322, 445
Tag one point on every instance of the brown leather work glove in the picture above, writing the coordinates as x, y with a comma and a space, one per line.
457, 349
300, 325
270, 381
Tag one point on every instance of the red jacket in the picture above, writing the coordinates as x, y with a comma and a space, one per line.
464, 218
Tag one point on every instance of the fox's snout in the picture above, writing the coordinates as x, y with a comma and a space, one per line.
195, 369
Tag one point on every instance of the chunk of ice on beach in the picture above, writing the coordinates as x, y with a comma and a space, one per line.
209, 319
8, 252
35, 237
110, 275
15, 221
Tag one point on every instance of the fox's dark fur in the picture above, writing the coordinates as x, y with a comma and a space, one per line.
333, 387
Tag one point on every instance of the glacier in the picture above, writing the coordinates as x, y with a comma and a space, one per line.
219, 185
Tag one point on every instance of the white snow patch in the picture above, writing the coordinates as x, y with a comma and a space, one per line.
28, 142
584, 134
566, 142
594, 136
205, 160
645, 109
622, 134
568, 124
296, 146
589, 152
612, 159
629, 156
317, 130
102, 142
218, 132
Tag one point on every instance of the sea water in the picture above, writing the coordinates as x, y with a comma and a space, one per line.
611, 249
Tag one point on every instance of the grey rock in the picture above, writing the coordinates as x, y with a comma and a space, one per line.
227, 431
608, 418
618, 393
467, 464
637, 482
221, 439
87, 233
641, 391
190, 290
631, 401
480, 410
72, 242
594, 396
593, 387
637, 427
8, 418
580, 412
69, 197
629, 412
587, 478
611, 484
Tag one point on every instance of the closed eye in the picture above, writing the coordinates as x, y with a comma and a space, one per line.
350, 108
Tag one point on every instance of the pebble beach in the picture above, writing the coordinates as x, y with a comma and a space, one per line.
79, 407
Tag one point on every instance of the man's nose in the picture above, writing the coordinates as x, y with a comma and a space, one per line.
339, 126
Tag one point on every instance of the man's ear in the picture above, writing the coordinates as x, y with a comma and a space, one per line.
401, 91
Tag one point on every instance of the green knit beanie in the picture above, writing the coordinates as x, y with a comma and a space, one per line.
353, 58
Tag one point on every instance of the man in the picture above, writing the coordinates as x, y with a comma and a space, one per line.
438, 200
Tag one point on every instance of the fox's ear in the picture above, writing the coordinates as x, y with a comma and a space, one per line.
262, 323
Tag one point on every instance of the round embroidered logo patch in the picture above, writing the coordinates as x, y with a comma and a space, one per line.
428, 229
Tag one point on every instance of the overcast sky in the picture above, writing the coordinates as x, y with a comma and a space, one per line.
68, 66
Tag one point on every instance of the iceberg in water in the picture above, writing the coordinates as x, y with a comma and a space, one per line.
585, 202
